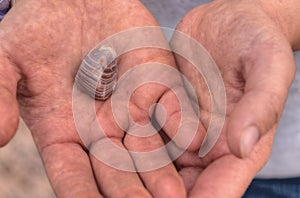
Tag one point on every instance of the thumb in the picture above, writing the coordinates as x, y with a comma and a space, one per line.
267, 81
9, 111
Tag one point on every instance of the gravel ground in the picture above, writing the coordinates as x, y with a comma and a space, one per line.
21, 170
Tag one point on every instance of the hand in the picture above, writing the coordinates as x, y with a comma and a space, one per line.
42, 45
253, 52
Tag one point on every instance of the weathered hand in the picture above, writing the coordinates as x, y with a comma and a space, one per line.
42, 45
251, 44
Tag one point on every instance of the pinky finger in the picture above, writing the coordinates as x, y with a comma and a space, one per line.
69, 170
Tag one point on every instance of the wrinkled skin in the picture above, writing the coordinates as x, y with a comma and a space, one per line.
255, 59
39, 57
42, 46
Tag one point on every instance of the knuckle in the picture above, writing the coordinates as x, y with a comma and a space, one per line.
139, 115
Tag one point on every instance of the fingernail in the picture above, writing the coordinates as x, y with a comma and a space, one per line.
248, 140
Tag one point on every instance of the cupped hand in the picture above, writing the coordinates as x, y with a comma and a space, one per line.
253, 52
42, 46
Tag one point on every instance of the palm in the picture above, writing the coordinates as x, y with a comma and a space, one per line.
46, 42
250, 52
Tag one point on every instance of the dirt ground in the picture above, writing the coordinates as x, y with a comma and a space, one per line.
21, 171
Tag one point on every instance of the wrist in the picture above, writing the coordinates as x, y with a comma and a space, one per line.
286, 16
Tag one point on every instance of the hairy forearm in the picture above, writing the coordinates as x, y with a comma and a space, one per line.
286, 14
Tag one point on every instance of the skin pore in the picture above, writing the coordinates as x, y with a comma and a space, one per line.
252, 46
43, 43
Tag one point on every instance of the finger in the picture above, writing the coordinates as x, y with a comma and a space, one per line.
190, 167
113, 167
69, 170
268, 79
174, 112
154, 165
180, 121
154, 75
227, 177
190, 176
111, 163
230, 176
9, 110
114, 170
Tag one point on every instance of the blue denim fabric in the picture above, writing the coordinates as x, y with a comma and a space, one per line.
4, 8
274, 188
3, 13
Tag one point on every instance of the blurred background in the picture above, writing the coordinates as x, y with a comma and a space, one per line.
21, 170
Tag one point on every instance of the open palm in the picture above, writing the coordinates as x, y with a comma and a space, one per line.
257, 66
42, 45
